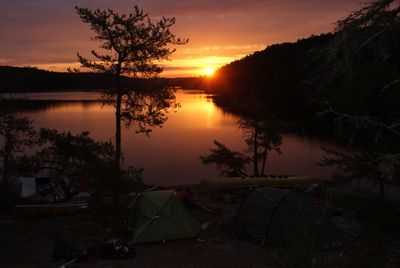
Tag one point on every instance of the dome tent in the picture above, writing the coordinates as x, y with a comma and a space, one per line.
160, 216
271, 215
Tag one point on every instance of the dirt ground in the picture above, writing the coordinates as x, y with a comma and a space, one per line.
31, 245
29, 242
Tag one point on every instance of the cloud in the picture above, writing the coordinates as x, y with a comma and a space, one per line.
175, 68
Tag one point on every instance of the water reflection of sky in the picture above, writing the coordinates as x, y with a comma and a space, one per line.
63, 96
171, 154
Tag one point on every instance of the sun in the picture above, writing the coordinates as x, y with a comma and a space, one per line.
209, 71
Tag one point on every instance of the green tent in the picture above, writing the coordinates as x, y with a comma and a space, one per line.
160, 216
271, 215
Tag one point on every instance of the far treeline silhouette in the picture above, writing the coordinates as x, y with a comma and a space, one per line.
29, 79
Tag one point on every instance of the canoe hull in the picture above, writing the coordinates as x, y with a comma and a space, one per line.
279, 182
55, 209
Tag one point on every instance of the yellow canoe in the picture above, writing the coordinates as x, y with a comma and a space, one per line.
276, 181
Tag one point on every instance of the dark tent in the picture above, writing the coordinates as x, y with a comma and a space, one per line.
271, 216
160, 216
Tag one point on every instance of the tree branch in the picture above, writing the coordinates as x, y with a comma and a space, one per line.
392, 128
389, 85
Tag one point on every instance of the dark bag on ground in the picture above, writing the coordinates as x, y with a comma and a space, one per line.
111, 250
66, 249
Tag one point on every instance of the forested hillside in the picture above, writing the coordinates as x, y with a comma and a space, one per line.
18, 79
276, 75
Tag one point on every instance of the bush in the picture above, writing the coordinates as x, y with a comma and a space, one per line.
105, 184
8, 196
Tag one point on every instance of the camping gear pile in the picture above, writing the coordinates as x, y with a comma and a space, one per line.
66, 250
41, 196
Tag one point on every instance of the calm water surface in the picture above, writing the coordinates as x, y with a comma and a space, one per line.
170, 156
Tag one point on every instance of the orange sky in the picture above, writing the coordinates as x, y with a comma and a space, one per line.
47, 34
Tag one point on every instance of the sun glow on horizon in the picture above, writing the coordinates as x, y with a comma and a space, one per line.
178, 67
209, 71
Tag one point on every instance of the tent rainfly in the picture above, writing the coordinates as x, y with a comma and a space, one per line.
161, 216
270, 215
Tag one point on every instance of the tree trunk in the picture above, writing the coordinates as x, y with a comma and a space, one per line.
7, 157
264, 159
381, 186
255, 153
117, 141
118, 131
6, 164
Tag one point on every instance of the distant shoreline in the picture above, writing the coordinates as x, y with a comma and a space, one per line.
28, 79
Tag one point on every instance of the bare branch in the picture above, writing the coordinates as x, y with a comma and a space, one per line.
366, 119
390, 85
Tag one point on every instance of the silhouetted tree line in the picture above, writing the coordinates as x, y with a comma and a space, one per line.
28, 79
274, 76
297, 81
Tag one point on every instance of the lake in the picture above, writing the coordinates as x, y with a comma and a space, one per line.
170, 156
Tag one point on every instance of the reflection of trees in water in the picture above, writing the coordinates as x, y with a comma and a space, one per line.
261, 137
24, 105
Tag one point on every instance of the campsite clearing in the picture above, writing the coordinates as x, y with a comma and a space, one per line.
214, 248
28, 242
